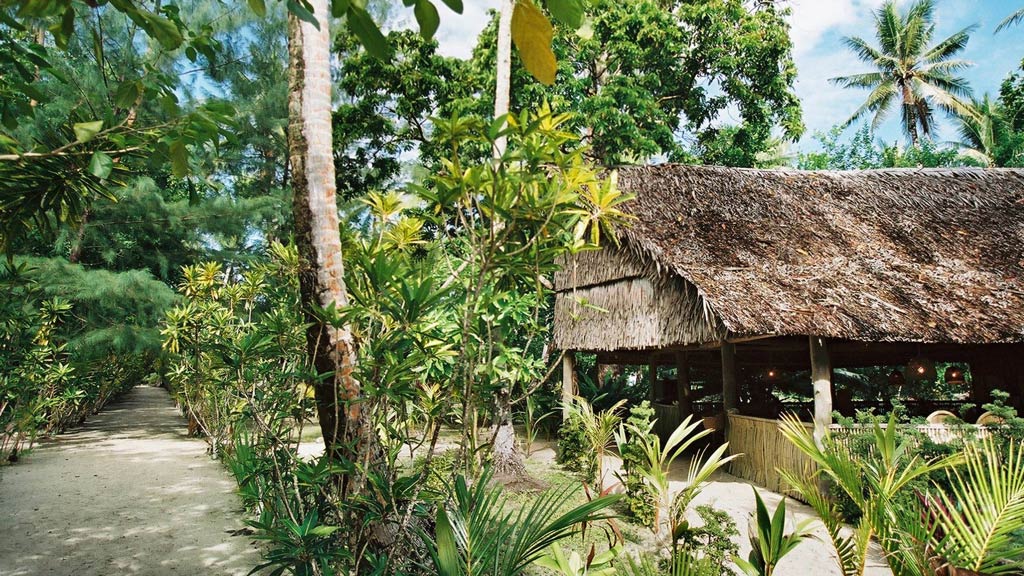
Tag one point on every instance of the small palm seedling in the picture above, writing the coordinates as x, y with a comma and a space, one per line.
768, 539
656, 466
872, 484
599, 428
532, 423
575, 565
479, 535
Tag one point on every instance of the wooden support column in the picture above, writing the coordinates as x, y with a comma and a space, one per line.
568, 381
821, 378
730, 396
683, 386
652, 382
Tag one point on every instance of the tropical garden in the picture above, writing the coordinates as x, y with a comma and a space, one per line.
334, 246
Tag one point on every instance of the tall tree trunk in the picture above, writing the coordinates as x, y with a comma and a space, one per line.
508, 460
321, 271
503, 73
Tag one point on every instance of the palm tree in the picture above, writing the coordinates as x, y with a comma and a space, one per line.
1015, 18
978, 133
910, 70
321, 273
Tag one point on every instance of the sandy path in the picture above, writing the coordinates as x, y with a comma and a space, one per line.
128, 493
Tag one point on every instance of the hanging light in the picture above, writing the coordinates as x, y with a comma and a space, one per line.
954, 375
896, 378
773, 373
920, 368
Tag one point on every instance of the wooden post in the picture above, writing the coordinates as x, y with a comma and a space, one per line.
568, 381
652, 379
683, 386
730, 396
821, 378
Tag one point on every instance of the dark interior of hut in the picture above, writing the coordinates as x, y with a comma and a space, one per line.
773, 376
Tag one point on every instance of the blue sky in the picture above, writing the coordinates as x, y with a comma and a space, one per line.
817, 29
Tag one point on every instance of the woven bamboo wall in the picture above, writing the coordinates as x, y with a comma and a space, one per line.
764, 450
667, 419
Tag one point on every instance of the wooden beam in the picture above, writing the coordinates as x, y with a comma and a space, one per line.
568, 381
683, 386
821, 378
730, 396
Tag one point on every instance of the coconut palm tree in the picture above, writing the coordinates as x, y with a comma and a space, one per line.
978, 133
1015, 18
321, 273
910, 71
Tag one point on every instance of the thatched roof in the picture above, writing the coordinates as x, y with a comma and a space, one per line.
913, 255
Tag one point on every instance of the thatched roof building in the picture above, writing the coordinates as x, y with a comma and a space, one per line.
911, 255
734, 275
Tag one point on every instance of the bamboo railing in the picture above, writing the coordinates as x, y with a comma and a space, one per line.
764, 450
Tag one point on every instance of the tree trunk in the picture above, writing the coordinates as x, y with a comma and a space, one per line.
321, 272
503, 74
508, 460
508, 463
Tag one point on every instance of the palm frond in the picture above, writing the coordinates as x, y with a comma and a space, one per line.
477, 534
864, 51
865, 80
1011, 20
887, 28
950, 47
986, 504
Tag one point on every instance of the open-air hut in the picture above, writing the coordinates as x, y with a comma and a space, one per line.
730, 275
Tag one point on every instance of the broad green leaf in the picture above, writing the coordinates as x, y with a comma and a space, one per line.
127, 93
100, 165
531, 33
339, 8
165, 31
568, 12
447, 547
302, 13
179, 159
455, 5
428, 18
259, 7
85, 131
370, 36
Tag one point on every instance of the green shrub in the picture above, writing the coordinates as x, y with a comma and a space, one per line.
710, 545
436, 480
574, 452
639, 501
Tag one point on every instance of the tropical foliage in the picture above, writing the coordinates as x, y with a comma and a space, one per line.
147, 163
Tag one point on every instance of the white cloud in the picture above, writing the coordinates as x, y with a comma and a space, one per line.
458, 32
811, 20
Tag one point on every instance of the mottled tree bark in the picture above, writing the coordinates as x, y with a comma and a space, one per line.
321, 271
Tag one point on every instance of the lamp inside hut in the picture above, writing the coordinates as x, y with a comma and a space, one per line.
920, 368
954, 375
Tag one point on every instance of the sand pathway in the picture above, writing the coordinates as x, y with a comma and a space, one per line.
128, 493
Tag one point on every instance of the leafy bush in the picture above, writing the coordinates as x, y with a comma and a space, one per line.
574, 453
712, 542
441, 473
639, 501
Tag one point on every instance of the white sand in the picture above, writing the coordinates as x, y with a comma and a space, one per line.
128, 493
